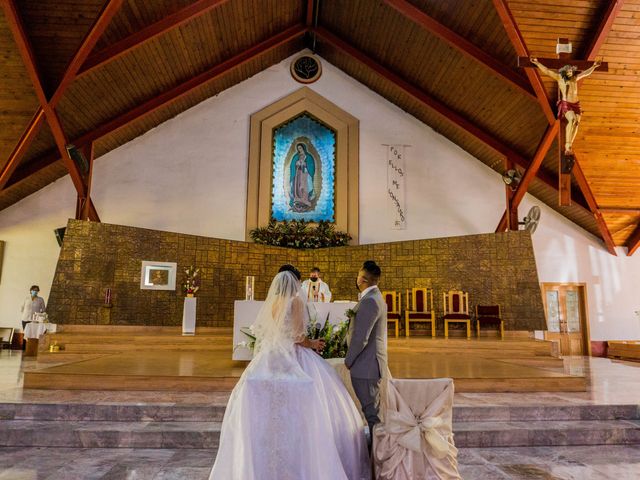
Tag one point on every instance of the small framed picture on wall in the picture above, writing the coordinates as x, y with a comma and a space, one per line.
158, 275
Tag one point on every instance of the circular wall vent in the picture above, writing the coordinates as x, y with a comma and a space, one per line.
306, 69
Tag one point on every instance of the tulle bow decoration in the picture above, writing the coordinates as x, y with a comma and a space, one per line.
410, 429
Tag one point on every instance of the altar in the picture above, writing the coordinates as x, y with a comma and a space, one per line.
245, 313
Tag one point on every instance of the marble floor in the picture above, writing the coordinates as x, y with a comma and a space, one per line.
522, 463
610, 383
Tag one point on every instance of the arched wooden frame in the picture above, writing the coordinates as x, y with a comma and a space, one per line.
263, 124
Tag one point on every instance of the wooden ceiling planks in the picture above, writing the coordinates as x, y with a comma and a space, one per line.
608, 133
31, 184
135, 15
18, 101
56, 28
440, 70
167, 61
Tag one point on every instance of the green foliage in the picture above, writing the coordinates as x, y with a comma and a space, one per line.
299, 234
334, 336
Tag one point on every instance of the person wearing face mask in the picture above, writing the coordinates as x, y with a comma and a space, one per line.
32, 304
315, 289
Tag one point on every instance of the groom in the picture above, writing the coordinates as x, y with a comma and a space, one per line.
367, 342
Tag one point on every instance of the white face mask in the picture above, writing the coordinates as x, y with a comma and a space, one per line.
34, 293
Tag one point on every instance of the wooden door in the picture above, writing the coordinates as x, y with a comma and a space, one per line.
566, 314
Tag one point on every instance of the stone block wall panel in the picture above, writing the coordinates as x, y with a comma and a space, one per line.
493, 268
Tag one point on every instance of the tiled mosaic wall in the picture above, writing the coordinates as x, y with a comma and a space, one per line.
492, 268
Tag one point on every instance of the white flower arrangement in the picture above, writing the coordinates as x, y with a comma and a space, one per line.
249, 344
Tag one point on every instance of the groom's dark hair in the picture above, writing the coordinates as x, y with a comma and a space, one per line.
287, 267
372, 271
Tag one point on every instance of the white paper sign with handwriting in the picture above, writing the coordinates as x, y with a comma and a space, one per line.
396, 174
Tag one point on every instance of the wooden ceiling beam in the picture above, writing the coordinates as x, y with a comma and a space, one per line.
591, 52
97, 29
578, 174
25, 171
83, 206
150, 32
621, 210
433, 104
603, 29
513, 32
309, 12
543, 148
21, 147
633, 242
462, 45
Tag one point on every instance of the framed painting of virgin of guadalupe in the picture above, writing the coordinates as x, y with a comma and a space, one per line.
303, 164
303, 186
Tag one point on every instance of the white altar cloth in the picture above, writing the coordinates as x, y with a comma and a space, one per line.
245, 313
37, 329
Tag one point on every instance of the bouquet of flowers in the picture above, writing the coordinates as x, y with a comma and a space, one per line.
249, 332
334, 336
192, 283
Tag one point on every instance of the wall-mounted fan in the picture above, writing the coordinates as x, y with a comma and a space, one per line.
530, 222
512, 178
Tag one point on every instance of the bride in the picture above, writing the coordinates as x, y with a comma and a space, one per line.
289, 417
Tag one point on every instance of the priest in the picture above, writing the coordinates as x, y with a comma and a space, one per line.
315, 289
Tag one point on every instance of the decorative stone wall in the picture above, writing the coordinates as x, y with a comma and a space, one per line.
493, 268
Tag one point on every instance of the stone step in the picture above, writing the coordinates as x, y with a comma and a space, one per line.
140, 339
78, 434
523, 413
127, 412
127, 347
112, 412
138, 329
45, 356
29, 433
546, 433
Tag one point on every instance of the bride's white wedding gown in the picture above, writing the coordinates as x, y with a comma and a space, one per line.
290, 417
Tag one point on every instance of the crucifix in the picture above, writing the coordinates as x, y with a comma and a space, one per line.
567, 73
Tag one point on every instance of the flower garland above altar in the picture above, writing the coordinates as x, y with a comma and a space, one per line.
298, 234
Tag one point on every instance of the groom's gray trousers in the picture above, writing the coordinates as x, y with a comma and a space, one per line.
368, 392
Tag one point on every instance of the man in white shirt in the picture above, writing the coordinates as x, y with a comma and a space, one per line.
315, 289
32, 304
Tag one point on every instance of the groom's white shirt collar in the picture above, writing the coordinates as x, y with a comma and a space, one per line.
367, 290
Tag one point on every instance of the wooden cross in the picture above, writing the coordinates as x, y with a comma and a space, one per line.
566, 158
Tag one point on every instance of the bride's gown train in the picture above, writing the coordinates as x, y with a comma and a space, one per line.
291, 418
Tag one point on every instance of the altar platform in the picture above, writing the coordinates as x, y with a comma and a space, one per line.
159, 358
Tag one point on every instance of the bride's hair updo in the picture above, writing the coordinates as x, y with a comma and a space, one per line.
287, 267
286, 284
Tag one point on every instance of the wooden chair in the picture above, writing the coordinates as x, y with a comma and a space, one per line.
420, 309
456, 310
489, 314
394, 304
6, 336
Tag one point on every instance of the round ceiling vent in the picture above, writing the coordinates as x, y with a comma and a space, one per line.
306, 69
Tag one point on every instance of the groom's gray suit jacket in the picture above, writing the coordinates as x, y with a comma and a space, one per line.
367, 352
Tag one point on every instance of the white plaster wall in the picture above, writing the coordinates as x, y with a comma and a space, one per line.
189, 175
31, 249
566, 253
